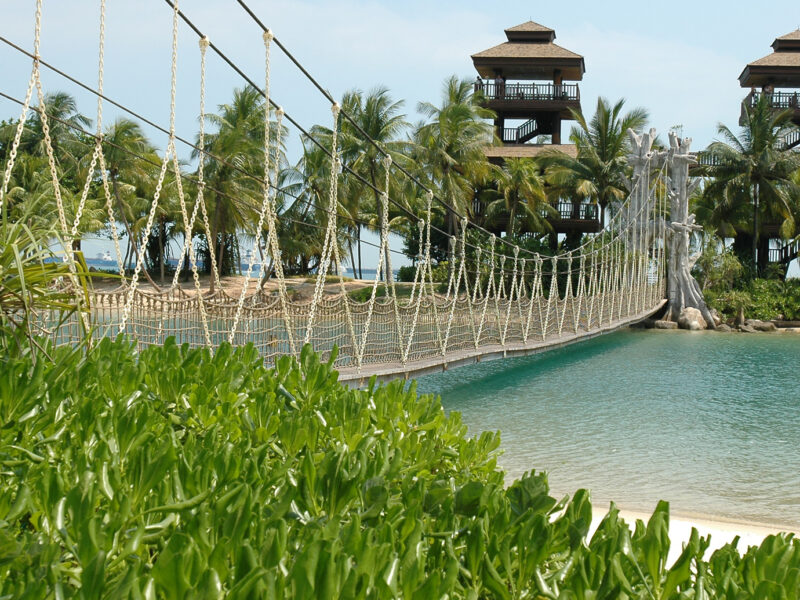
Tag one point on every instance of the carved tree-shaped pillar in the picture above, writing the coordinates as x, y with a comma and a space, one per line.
642, 160
683, 291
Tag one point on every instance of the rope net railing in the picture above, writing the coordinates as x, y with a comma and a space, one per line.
492, 300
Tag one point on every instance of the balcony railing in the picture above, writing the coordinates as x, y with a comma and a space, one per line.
580, 211
791, 139
706, 159
782, 100
784, 255
493, 90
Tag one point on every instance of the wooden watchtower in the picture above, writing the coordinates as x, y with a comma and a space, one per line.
529, 79
781, 70
530, 83
776, 77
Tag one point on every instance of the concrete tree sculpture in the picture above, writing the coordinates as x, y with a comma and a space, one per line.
642, 160
685, 302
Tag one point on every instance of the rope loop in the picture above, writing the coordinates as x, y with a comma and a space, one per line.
335, 110
204, 43
268, 36
387, 161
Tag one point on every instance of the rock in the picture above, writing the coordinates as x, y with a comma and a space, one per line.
691, 318
724, 328
717, 318
761, 325
665, 324
745, 328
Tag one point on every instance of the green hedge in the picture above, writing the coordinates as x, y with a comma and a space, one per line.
180, 474
764, 299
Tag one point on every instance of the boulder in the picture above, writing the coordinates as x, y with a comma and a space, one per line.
761, 325
665, 324
745, 328
691, 318
717, 318
724, 328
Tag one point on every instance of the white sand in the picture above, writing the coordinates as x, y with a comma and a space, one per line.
680, 529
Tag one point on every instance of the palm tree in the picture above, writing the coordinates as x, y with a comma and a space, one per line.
130, 177
752, 169
379, 117
599, 171
521, 188
235, 147
64, 123
450, 146
69, 148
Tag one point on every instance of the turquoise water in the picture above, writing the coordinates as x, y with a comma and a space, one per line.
708, 421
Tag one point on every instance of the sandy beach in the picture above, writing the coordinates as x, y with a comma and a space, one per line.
722, 531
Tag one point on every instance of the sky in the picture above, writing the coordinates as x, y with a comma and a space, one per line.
680, 59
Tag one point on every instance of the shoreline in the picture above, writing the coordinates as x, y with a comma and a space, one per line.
705, 519
721, 529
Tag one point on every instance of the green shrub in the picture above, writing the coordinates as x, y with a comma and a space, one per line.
181, 474
363, 294
764, 299
406, 273
441, 272
717, 267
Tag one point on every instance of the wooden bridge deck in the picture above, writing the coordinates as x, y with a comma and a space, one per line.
412, 369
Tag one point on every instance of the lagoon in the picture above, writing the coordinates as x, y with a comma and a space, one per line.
708, 421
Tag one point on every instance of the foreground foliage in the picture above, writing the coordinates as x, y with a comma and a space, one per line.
178, 474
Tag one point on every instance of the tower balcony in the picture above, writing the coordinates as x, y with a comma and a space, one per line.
582, 216
522, 99
789, 100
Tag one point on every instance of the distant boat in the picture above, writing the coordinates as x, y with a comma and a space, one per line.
107, 257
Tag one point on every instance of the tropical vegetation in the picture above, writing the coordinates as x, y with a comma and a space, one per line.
749, 206
444, 151
175, 473
752, 184
179, 473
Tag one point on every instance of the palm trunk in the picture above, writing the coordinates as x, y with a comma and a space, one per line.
162, 234
352, 258
755, 229
382, 224
215, 238
134, 245
358, 237
126, 260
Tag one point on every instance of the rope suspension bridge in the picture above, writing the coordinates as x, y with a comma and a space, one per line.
499, 299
